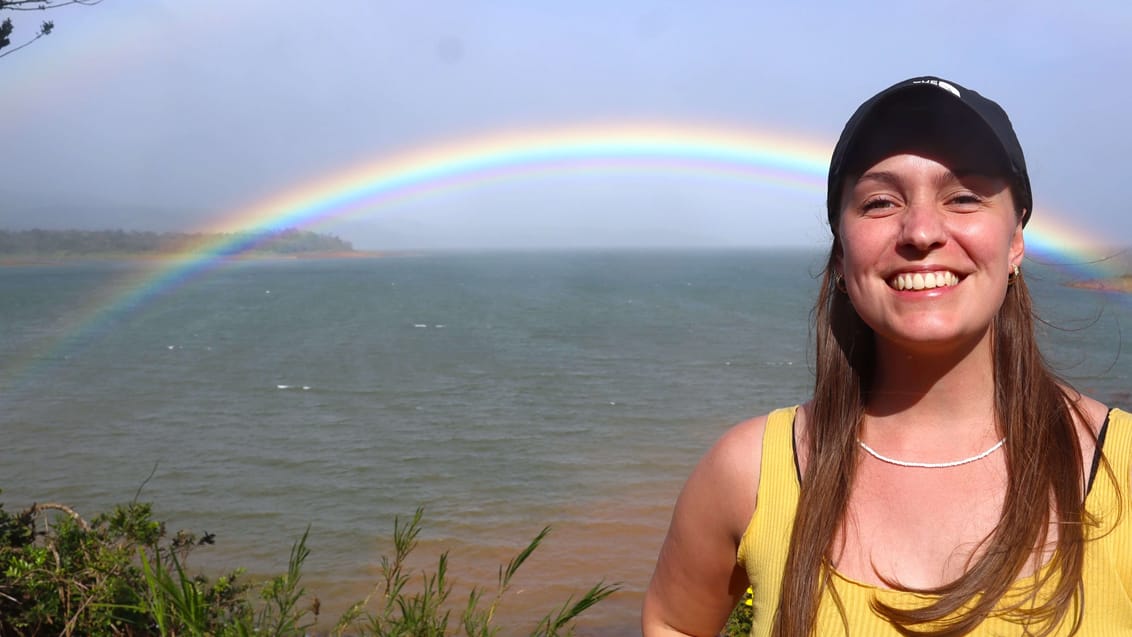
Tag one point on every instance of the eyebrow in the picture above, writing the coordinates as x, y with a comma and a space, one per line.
893, 178
879, 175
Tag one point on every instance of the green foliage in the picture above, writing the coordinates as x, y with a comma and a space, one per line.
121, 575
281, 613
67, 579
739, 623
426, 612
60, 575
174, 602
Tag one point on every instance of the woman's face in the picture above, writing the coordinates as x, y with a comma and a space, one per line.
928, 236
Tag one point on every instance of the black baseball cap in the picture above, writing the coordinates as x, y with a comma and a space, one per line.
929, 90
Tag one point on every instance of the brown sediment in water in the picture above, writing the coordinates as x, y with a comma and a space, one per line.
614, 541
1114, 284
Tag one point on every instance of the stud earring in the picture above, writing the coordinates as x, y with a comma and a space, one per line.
839, 283
1015, 274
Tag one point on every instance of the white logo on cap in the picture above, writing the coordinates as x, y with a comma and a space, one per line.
943, 85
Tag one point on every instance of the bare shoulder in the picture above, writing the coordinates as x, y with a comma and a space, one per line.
1092, 411
1097, 414
722, 487
741, 446
697, 580
1090, 416
731, 469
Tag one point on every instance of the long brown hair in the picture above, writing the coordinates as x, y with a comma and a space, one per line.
1043, 464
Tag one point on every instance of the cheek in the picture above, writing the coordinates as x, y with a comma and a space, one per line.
858, 250
993, 243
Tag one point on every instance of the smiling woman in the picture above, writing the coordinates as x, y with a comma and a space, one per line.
941, 481
952, 226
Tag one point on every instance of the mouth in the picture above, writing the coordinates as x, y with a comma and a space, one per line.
923, 280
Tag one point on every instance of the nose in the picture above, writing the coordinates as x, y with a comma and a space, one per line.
923, 227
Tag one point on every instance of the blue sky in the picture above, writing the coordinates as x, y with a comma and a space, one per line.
171, 115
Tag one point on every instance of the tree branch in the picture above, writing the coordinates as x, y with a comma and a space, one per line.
32, 5
42, 5
12, 50
55, 506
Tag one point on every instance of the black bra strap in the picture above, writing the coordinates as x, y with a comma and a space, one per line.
1097, 452
794, 447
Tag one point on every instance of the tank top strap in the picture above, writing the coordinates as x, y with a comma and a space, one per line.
779, 460
1111, 478
1117, 442
763, 547
1109, 498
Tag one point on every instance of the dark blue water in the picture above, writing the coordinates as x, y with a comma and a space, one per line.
503, 392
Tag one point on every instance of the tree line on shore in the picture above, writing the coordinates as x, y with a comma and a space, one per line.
66, 243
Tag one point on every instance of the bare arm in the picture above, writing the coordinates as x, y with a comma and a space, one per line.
697, 581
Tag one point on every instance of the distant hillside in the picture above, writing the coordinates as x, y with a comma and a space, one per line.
93, 243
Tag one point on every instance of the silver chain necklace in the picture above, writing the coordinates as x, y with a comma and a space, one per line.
930, 465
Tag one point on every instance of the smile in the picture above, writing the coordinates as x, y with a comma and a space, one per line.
923, 280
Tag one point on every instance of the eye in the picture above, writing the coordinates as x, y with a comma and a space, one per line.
877, 205
965, 202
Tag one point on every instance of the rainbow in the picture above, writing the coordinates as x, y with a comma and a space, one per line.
367, 188
771, 160
1052, 240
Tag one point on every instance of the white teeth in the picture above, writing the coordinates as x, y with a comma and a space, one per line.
924, 280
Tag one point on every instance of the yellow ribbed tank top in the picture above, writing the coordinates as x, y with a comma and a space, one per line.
1108, 556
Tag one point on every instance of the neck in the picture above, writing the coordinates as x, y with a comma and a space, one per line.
933, 389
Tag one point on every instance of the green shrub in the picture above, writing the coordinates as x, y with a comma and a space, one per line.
739, 623
423, 613
121, 575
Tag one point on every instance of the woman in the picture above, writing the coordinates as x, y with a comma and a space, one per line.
942, 480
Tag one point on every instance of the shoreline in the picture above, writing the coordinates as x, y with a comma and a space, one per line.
1121, 283
52, 260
